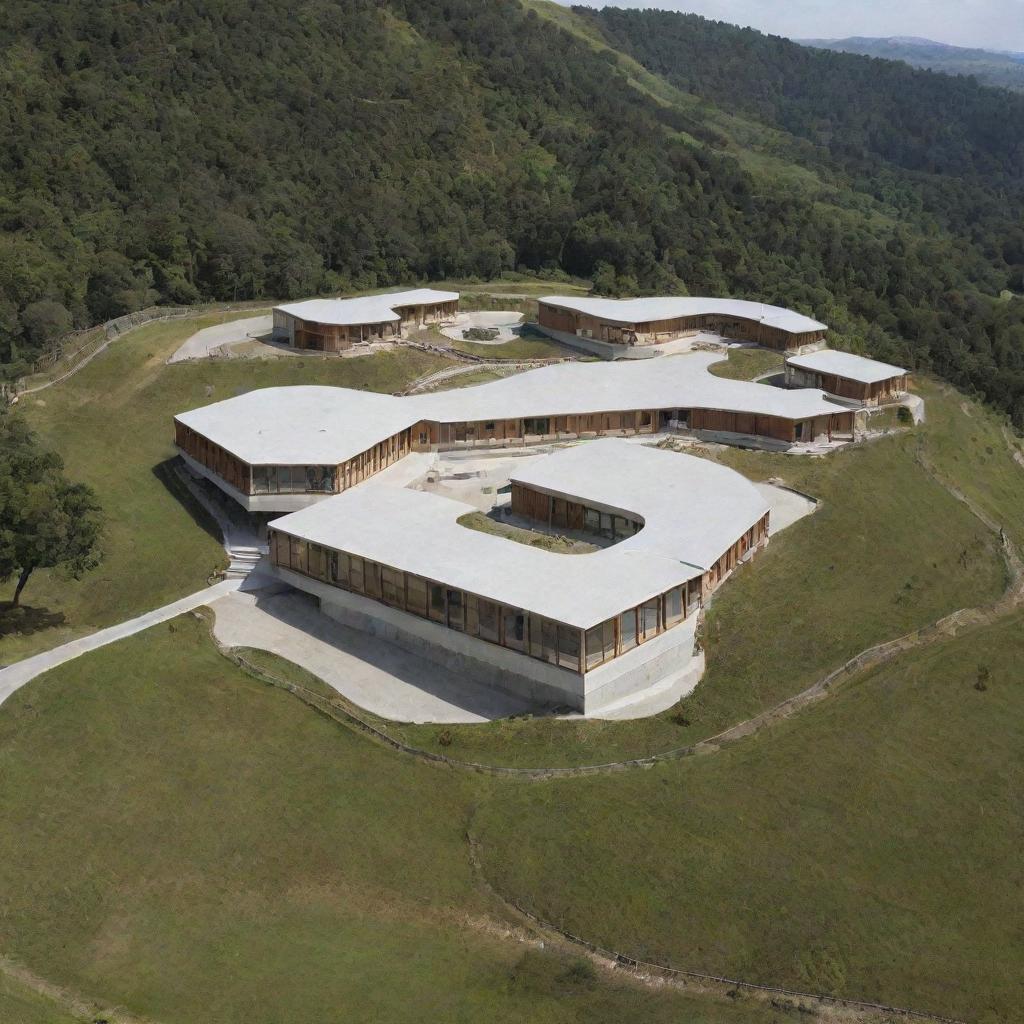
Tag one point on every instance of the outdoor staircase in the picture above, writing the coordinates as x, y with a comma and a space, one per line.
242, 562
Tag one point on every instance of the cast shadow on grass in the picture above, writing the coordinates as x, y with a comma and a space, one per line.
25, 620
166, 474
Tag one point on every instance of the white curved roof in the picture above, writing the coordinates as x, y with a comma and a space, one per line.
639, 311
693, 510
327, 425
676, 495
367, 309
847, 365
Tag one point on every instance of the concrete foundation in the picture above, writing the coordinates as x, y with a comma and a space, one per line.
544, 686
594, 347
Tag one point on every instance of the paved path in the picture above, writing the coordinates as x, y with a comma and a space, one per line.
375, 675
21, 672
202, 343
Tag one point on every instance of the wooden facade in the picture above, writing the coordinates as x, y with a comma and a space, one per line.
322, 337
565, 513
846, 387
260, 479
516, 629
656, 332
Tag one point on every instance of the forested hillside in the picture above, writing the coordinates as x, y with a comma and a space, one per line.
1005, 70
177, 151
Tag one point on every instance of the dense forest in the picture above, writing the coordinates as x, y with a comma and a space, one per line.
178, 151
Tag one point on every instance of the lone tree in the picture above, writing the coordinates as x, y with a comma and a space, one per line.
45, 520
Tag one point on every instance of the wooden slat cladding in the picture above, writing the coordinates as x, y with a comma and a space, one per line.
291, 479
654, 332
320, 337
228, 467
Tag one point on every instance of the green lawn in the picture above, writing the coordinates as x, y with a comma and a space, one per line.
193, 845
20, 1005
888, 551
870, 846
112, 424
748, 363
530, 347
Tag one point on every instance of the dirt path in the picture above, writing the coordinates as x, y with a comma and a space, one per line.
75, 1003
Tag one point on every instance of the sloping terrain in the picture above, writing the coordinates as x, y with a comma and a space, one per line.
176, 152
991, 67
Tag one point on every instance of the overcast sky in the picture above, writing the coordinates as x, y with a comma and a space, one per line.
993, 24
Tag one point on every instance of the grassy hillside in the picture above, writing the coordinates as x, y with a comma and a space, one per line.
183, 841
865, 846
648, 152
111, 423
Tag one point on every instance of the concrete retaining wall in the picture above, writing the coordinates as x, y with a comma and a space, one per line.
594, 347
488, 664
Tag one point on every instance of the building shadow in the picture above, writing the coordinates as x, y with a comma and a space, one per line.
301, 612
176, 487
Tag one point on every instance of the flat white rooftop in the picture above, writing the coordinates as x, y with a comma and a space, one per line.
323, 425
693, 509
418, 532
845, 364
367, 309
637, 311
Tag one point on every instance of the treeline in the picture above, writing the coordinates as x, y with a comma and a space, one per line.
184, 150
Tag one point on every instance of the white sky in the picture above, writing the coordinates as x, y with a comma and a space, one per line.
992, 24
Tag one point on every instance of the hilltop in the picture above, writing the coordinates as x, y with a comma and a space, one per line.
1000, 68
175, 154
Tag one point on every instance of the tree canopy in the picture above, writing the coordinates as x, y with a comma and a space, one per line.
176, 151
45, 521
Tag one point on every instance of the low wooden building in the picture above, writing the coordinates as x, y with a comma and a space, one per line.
847, 376
279, 449
332, 325
567, 630
653, 321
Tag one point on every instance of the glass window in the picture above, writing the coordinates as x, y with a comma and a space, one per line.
647, 616
606, 525
371, 578
597, 647
456, 610
568, 643
592, 520
472, 615
487, 615
673, 606
260, 480
514, 628
623, 527
437, 602
627, 630
537, 425
298, 554
356, 573
544, 639
392, 584
416, 595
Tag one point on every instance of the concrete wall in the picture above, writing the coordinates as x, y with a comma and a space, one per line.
645, 666
594, 347
488, 664
255, 502
511, 672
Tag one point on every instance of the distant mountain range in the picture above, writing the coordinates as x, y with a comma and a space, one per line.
1001, 68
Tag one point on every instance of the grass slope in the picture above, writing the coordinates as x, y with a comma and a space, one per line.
889, 551
112, 424
20, 1005
868, 847
184, 841
748, 363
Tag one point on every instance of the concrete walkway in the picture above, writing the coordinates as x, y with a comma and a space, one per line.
375, 675
202, 343
21, 672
